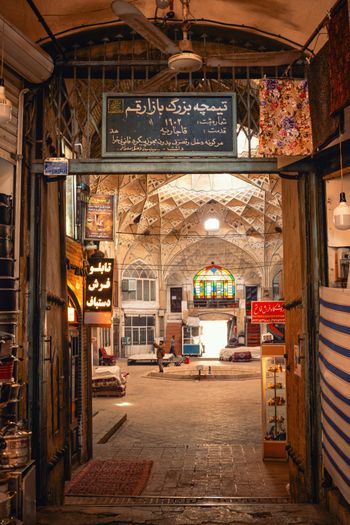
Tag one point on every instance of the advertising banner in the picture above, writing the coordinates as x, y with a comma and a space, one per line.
99, 225
268, 312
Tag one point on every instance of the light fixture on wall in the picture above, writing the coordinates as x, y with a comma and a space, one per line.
341, 213
5, 104
90, 247
72, 314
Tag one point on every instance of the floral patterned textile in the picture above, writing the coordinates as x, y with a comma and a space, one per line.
285, 124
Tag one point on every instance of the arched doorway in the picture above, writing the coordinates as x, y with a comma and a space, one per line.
217, 328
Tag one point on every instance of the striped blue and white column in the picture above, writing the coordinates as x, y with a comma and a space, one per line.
334, 360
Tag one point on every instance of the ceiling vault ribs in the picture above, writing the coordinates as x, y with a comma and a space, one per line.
173, 213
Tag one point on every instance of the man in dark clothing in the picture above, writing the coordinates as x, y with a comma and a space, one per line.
160, 354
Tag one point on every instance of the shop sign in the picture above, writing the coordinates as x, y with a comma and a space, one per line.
56, 167
169, 124
268, 312
99, 292
99, 224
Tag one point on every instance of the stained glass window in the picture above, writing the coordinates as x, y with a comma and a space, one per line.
213, 282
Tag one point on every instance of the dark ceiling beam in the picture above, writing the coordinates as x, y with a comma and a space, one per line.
122, 166
42, 21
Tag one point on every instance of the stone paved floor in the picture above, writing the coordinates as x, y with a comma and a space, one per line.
204, 437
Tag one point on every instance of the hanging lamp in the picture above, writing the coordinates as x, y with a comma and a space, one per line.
5, 104
341, 213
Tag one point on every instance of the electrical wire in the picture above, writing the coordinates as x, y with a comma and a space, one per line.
2, 49
60, 15
341, 162
232, 264
196, 269
198, 235
198, 20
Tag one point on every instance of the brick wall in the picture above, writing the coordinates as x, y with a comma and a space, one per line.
173, 328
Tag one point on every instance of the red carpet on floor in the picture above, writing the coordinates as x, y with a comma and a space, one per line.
111, 478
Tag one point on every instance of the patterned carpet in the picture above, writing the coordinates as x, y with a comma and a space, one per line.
111, 478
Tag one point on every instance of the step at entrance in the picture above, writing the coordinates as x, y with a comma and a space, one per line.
150, 501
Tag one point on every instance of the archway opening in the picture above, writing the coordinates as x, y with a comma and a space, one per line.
213, 338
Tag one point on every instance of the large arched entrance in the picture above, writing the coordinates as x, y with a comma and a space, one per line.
160, 221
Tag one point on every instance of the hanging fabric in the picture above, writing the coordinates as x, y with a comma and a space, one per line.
285, 124
339, 56
324, 125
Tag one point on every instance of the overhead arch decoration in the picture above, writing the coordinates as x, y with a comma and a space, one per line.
214, 283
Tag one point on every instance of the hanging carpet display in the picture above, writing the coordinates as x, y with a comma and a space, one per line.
324, 125
339, 56
285, 124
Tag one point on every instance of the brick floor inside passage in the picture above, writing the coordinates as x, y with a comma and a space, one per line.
203, 437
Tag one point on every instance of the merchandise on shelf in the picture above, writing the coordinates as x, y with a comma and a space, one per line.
274, 401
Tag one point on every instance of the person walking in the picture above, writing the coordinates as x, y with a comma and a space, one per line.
160, 354
172, 348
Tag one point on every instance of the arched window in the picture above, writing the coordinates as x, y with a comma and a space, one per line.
213, 283
138, 283
276, 285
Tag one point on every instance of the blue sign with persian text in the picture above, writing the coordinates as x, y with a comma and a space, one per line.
175, 124
56, 167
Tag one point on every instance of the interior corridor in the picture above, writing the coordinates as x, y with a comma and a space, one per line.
203, 437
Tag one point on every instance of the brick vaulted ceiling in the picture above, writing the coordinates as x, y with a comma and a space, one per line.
170, 210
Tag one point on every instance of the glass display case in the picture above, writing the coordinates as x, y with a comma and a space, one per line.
274, 401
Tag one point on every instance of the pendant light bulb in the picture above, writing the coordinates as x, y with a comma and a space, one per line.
341, 214
5, 105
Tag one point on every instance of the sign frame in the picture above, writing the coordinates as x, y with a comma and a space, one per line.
268, 319
61, 165
99, 314
196, 154
111, 237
